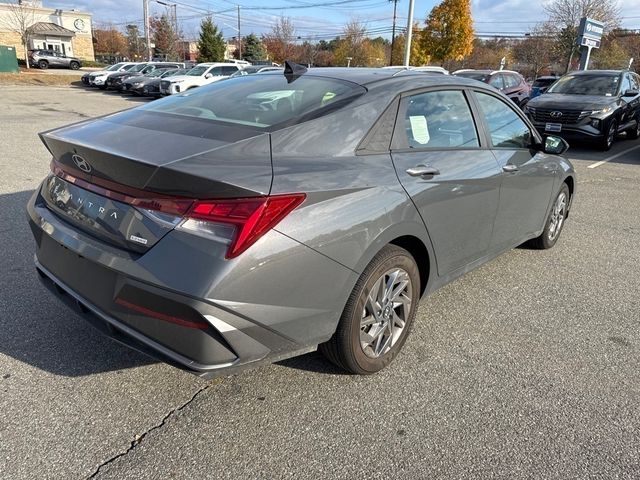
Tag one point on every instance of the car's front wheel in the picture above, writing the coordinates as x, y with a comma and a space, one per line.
378, 315
555, 220
610, 136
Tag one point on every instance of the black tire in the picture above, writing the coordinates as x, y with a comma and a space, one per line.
634, 132
43, 64
344, 349
74, 65
547, 239
610, 136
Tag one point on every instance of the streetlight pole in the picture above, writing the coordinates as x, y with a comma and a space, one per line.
393, 31
239, 37
407, 44
147, 36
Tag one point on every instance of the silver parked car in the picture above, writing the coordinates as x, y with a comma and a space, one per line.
44, 59
260, 217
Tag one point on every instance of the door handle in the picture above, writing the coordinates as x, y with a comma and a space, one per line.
422, 171
510, 168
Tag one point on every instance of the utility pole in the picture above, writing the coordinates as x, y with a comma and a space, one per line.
393, 31
239, 37
407, 44
147, 35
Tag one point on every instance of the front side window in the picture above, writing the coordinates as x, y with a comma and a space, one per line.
229, 70
506, 128
216, 71
626, 84
197, 71
440, 119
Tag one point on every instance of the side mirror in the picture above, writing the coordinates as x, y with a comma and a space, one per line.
208, 76
631, 93
555, 145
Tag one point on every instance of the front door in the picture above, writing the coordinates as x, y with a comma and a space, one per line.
453, 180
527, 175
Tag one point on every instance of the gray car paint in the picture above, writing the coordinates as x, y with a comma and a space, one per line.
288, 290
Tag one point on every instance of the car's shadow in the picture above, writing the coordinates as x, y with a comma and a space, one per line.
37, 329
94, 91
625, 151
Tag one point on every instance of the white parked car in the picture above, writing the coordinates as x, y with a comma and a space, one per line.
98, 79
201, 74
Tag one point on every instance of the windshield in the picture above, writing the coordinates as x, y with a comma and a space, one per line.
138, 68
261, 100
157, 72
543, 82
605, 85
115, 67
483, 77
129, 68
197, 71
171, 73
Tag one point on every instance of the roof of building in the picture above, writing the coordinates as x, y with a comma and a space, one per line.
46, 28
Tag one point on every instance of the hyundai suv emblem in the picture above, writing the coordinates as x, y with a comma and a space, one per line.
556, 114
81, 163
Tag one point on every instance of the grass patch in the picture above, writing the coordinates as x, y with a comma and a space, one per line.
38, 79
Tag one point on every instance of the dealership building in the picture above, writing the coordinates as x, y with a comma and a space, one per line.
64, 31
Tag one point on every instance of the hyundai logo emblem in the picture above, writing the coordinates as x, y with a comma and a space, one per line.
81, 163
556, 114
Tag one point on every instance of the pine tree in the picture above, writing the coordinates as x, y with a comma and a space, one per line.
448, 34
211, 44
253, 49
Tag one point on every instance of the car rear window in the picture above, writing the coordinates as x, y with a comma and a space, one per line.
260, 101
543, 82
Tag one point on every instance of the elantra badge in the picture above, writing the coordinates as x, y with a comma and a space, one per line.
81, 163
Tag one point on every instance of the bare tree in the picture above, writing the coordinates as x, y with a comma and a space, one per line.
280, 41
19, 20
565, 15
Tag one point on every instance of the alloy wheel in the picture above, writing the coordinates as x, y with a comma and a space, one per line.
385, 313
557, 216
611, 133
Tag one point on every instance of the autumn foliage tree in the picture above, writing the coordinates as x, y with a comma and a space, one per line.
448, 33
279, 42
110, 42
165, 37
419, 55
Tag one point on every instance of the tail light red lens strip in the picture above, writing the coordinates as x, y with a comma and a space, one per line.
252, 217
162, 316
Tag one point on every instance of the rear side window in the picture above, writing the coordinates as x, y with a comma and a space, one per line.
440, 119
260, 101
506, 128
229, 70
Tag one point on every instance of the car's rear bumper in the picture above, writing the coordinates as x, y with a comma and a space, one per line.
234, 315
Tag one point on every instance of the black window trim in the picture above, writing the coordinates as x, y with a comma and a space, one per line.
399, 140
537, 139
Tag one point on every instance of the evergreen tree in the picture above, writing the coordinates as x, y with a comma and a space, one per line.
211, 44
253, 49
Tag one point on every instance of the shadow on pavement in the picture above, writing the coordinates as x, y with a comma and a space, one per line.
36, 328
312, 362
591, 153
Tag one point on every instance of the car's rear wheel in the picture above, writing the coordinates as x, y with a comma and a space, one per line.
43, 64
610, 136
74, 65
634, 132
378, 315
555, 220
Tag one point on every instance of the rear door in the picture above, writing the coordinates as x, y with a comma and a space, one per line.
527, 175
452, 178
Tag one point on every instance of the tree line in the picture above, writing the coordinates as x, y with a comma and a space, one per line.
445, 37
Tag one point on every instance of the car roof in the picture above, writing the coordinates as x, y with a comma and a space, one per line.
486, 70
612, 73
368, 76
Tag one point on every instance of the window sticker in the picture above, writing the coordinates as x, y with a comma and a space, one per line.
419, 129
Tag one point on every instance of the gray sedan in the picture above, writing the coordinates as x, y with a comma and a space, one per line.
266, 216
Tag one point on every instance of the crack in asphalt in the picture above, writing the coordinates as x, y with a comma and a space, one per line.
138, 438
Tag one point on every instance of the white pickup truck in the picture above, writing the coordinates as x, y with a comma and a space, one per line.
201, 74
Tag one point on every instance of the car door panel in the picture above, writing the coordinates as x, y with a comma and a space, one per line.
528, 175
458, 201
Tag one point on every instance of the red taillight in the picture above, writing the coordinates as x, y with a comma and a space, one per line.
252, 217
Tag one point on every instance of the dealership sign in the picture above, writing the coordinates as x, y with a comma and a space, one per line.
590, 32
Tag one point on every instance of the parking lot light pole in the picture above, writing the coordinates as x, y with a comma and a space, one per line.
147, 36
407, 45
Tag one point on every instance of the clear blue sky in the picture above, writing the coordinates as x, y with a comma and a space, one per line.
314, 23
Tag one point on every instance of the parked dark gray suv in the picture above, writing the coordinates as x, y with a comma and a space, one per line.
50, 58
262, 216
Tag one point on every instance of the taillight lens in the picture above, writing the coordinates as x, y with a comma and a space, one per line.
251, 217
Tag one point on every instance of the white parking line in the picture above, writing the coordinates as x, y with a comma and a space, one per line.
613, 157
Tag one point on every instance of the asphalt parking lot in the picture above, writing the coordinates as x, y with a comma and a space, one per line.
525, 368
